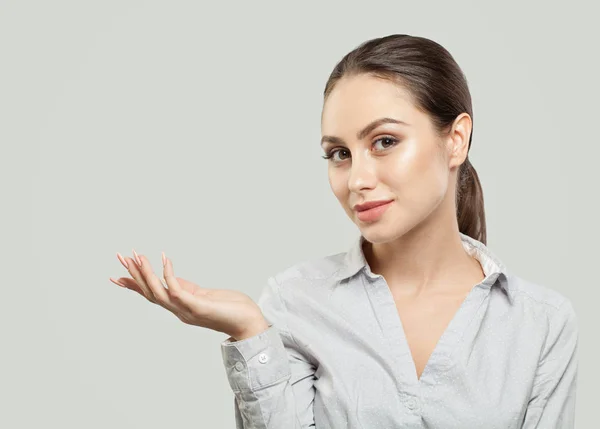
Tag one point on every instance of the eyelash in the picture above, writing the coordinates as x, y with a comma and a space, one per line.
334, 150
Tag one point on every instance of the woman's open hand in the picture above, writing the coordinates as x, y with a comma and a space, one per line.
231, 312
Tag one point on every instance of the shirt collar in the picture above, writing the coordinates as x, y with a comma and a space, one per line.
494, 269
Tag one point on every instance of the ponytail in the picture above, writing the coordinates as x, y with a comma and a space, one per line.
469, 203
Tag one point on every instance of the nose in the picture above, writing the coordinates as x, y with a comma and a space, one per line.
362, 175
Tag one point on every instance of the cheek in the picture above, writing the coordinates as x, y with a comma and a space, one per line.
339, 187
417, 178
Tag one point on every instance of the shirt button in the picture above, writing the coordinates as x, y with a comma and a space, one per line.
411, 404
239, 366
262, 358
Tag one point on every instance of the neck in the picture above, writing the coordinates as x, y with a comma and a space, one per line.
429, 259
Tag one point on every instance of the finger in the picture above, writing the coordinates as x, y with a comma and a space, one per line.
138, 276
175, 291
116, 282
128, 283
156, 286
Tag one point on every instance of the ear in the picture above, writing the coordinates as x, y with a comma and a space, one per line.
457, 142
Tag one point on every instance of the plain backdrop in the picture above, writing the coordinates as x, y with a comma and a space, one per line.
193, 128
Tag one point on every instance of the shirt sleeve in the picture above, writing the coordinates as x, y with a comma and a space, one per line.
270, 374
552, 401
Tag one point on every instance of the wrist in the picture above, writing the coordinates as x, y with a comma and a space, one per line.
252, 330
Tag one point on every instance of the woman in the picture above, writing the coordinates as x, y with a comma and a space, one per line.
418, 324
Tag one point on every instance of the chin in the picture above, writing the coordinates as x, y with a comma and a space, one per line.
377, 233
383, 232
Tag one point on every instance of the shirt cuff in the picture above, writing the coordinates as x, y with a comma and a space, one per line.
255, 362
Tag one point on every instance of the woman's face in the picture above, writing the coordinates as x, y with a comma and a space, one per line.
403, 162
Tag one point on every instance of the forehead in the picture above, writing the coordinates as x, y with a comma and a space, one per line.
356, 100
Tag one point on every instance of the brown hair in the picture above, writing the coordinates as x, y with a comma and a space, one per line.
439, 88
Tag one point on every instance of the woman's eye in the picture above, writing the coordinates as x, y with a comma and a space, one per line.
386, 141
392, 141
331, 154
340, 152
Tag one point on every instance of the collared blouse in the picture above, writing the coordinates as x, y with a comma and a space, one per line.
335, 355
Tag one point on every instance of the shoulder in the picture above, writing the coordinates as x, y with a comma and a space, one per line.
293, 292
535, 293
307, 280
536, 300
315, 269
545, 318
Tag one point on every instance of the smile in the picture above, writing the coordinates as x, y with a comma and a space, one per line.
374, 213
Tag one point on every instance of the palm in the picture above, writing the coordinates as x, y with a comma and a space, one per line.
212, 294
223, 310
227, 307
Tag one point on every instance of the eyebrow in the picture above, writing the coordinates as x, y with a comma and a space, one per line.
366, 130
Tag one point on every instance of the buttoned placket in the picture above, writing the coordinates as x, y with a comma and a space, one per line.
409, 384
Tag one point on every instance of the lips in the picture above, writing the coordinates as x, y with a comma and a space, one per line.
370, 204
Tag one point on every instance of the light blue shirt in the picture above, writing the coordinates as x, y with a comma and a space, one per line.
335, 355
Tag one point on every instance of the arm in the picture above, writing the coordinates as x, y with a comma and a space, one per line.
269, 373
552, 402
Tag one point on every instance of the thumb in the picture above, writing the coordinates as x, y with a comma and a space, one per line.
180, 289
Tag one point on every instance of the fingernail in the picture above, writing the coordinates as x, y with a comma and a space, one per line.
123, 261
137, 258
116, 282
164, 259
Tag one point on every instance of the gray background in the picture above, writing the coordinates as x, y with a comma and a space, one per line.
193, 128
